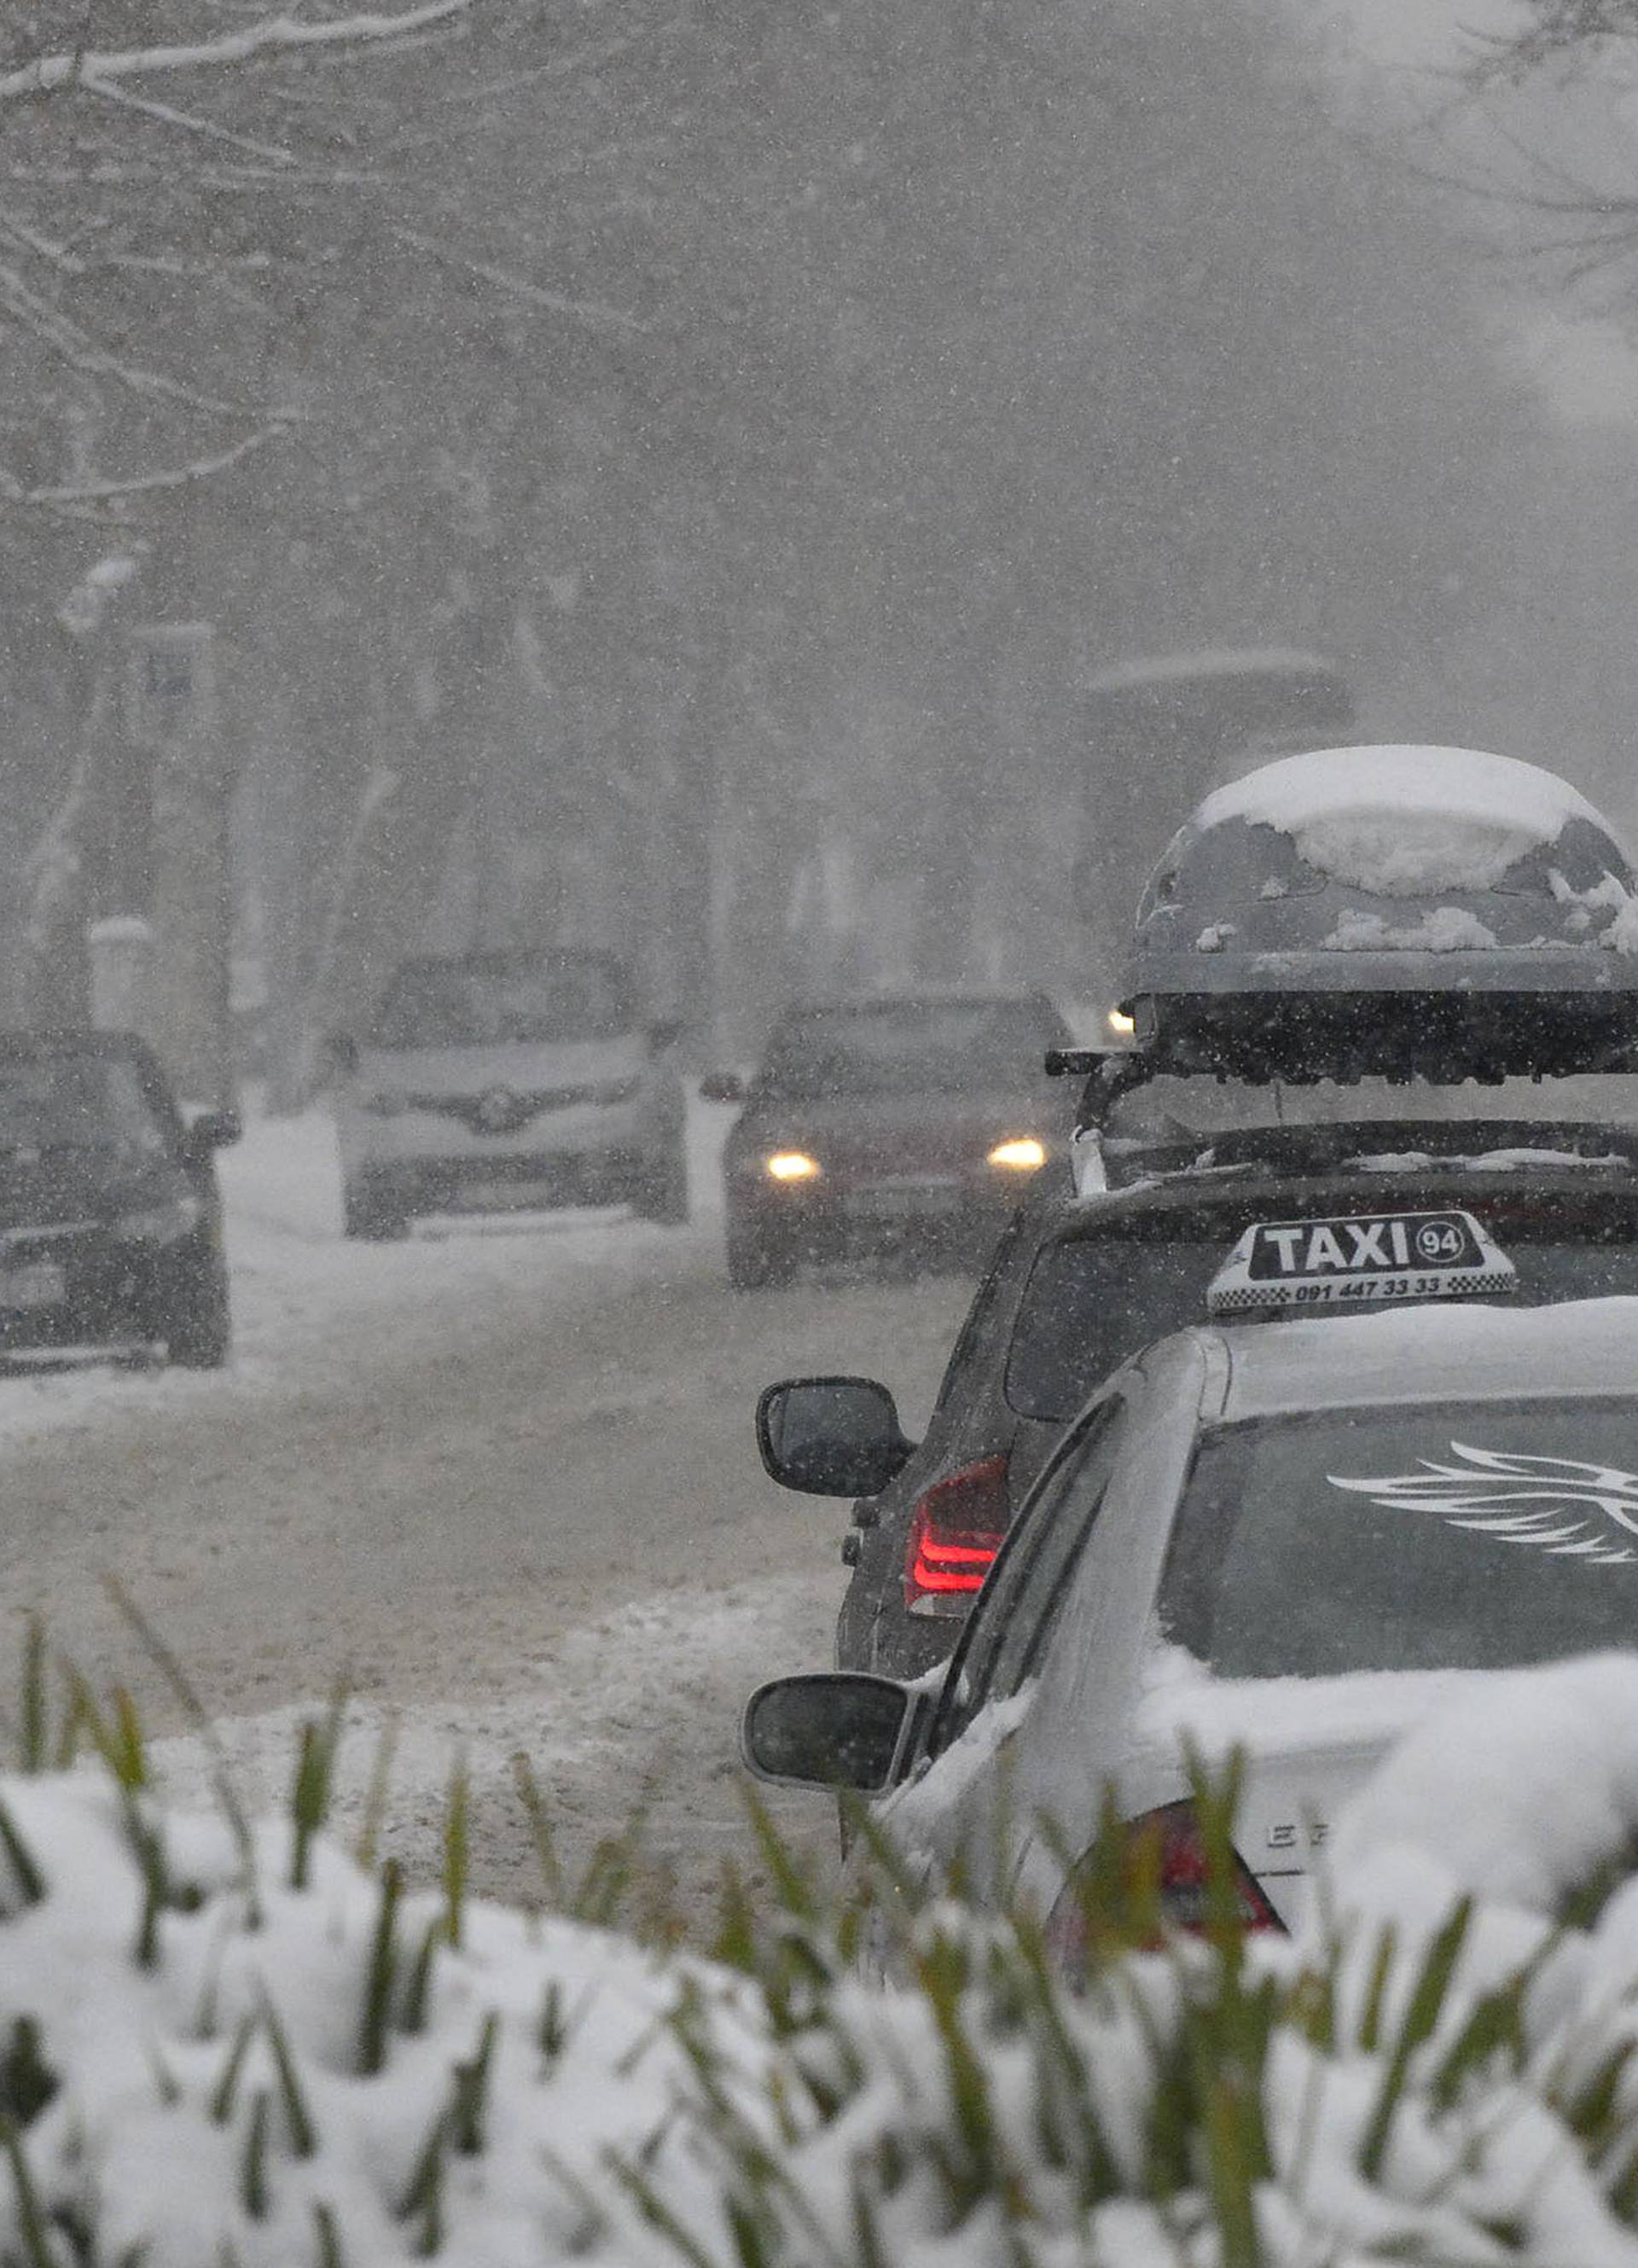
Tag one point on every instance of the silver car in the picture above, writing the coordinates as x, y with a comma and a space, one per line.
508, 1078
1293, 1537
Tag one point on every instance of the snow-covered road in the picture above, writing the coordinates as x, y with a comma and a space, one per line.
500, 1479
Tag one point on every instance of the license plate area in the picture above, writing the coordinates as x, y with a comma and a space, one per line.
905, 1201
30, 1284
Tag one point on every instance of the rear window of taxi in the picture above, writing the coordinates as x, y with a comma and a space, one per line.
1093, 1300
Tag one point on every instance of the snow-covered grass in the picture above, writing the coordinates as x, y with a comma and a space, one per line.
228, 2040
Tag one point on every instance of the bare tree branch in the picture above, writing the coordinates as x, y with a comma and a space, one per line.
179, 476
558, 303
42, 246
76, 347
55, 74
188, 121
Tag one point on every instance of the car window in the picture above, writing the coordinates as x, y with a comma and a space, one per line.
1020, 1603
1462, 1536
1090, 1303
80, 1102
1000, 1274
959, 1047
1093, 1301
506, 998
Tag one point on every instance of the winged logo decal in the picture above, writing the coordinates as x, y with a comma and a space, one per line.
1559, 1505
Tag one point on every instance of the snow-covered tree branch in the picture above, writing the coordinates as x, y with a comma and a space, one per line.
90, 67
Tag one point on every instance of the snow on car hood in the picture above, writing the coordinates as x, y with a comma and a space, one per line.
1402, 821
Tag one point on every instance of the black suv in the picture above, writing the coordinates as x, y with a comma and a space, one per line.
110, 1215
1080, 1283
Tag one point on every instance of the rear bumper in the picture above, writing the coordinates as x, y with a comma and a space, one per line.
112, 1296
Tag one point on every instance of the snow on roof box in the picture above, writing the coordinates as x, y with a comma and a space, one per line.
1402, 821
1344, 874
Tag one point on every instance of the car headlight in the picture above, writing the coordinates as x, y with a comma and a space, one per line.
790, 1166
1022, 1154
161, 1224
1119, 1024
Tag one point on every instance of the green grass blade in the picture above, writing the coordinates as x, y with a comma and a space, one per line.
1422, 2014
33, 1712
31, 2221
24, 1868
539, 1831
457, 1848
298, 2117
375, 1799
378, 1996
252, 2166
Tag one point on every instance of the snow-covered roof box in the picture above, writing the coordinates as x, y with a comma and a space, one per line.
1455, 880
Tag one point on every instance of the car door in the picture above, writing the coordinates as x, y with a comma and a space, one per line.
960, 1803
882, 1523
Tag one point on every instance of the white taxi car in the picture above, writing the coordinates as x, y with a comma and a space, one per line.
1290, 1536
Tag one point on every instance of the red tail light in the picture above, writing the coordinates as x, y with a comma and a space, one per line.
1184, 1869
956, 1530
1180, 1880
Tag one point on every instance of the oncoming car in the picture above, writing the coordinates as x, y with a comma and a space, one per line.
1291, 1536
906, 1125
495, 1078
110, 1217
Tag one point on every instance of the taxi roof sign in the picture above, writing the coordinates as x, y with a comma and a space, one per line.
1360, 1259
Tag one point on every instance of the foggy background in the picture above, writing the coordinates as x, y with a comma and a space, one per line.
659, 473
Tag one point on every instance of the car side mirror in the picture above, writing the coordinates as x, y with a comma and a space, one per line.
830, 1436
722, 1086
829, 1728
211, 1131
343, 1050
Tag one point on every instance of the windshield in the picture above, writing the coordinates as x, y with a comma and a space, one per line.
1171, 1110
1092, 1302
967, 1046
497, 999
75, 1102
1465, 1537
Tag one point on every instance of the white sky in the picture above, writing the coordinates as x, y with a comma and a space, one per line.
1386, 56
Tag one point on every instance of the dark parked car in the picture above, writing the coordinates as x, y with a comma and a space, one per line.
110, 1215
909, 1126
1079, 1285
